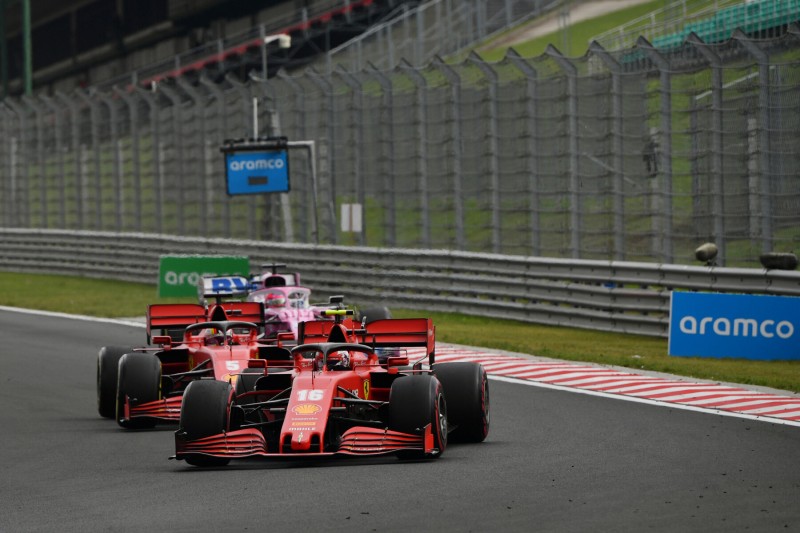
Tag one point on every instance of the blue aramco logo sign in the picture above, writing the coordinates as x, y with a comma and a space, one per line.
743, 326
256, 172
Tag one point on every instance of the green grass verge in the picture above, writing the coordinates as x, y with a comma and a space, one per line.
577, 34
120, 299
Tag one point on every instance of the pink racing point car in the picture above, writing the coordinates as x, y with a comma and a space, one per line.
286, 302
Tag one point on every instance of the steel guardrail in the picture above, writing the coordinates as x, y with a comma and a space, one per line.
626, 297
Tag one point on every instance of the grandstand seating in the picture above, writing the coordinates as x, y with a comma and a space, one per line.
754, 18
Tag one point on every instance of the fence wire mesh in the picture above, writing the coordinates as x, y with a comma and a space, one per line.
634, 155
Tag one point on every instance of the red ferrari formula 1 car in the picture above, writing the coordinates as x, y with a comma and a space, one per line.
142, 386
331, 396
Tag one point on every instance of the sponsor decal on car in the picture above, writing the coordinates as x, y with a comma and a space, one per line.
306, 409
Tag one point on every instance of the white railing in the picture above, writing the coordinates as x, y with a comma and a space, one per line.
603, 295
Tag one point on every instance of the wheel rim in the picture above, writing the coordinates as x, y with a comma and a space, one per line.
441, 412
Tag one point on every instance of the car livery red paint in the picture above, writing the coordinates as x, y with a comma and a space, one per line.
140, 387
331, 396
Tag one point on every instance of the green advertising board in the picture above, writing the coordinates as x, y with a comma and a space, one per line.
179, 275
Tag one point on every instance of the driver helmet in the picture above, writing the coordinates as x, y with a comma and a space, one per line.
214, 337
338, 360
275, 299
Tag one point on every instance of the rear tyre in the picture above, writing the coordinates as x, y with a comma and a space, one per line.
466, 388
414, 402
107, 366
205, 411
139, 379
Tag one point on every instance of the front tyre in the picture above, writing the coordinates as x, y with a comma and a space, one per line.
414, 402
138, 381
466, 387
107, 366
205, 411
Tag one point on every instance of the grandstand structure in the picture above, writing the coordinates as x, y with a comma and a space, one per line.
82, 43
713, 21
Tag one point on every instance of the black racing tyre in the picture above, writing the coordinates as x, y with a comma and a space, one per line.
414, 402
205, 411
466, 388
107, 365
374, 313
139, 378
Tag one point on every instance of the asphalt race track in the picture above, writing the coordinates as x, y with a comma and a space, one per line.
554, 461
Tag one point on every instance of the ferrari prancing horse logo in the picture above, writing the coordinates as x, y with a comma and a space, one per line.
366, 389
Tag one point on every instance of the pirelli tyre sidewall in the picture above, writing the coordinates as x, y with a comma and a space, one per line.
466, 388
107, 367
205, 411
414, 402
138, 380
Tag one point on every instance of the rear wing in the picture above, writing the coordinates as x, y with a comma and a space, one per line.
173, 316
241, 311
386, 333
220, 286
179, 316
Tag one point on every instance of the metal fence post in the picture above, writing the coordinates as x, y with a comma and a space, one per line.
665, 249
358, 160
75, 130
95, 147
135, 156
618, 133
10, 142
764, 132
39, 158
199, 107
152, 103
119, 206
422, 147
532, 155
21, 157
298, 105
330, 135
454, 80
717, 190
574, 178
59, 148
177, 131
388, 153
222, 132
492, 133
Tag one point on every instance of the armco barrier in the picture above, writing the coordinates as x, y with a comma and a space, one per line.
604, 295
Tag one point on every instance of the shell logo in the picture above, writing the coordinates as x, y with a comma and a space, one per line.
306, 409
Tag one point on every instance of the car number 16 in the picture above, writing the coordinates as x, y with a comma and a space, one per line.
310, 395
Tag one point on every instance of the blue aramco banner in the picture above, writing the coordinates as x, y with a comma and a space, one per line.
256, 172
744, 326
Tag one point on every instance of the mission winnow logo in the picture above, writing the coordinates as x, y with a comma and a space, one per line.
734, 325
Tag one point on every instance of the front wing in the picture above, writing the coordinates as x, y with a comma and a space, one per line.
357, 441
166, 409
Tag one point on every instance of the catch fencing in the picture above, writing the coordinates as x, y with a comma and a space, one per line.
630, 155
624, 297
